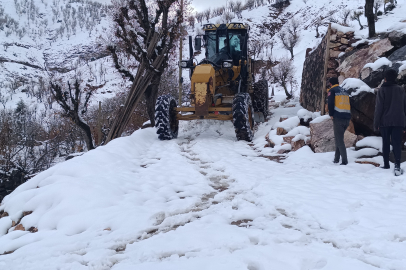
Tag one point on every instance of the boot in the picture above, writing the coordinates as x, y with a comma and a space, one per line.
398, 171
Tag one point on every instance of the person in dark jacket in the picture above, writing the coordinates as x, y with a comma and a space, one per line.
390, 118
340, 112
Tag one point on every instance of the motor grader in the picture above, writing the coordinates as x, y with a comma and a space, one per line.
222, 85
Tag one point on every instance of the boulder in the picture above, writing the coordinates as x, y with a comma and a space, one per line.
362, 111
352, 65
298, 144
397, 39
322, 137
373, 78
344, 41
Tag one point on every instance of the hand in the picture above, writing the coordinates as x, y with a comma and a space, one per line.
331, 117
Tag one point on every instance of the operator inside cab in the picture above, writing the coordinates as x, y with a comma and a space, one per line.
226, 51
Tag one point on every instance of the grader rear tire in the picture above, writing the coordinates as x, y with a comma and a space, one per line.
165, 118
261, 98
243, 117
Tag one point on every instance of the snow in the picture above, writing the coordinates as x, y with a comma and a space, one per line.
403, 66
371, 141
299, 130
353, 83
288, 124
342, 28
320, 119
207, 201
383, 61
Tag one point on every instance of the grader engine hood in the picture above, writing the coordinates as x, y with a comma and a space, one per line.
203, 86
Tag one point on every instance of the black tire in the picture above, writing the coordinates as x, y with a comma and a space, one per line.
243, 117
165, 118
261, 98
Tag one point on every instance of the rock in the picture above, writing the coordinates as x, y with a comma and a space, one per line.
333, 37
281, 131
373, 78
343, 48
283, 151
297, 145
322, 137
334, 45
340, 34
368, 162
351, 127
362, 111
270, 142
398, 55
360, 137
397, 39
304, 122
288, 139
349, 49
332, 64
344, 41
5, 214
33, 230
334, 54
352, 65
283, 118
19, 227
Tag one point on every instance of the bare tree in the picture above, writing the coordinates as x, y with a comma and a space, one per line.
319, 21
147, 37
369, 13
74, 106
356, 16
191, 21
344, 15
377, 6
290, 36
207, 14
283, 73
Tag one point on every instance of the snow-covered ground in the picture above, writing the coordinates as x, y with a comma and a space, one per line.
206, 201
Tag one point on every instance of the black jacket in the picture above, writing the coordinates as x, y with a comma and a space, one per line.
339, 102
390, 106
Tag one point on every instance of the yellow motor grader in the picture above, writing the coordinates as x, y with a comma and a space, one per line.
222, 85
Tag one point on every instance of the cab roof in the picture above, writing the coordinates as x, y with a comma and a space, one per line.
232, 25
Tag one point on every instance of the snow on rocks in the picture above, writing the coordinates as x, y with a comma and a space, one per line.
356, 86
383, 61
372, 142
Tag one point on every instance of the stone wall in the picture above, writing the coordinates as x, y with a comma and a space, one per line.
313, 76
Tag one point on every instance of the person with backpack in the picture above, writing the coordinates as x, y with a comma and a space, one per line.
390, 118
339, 110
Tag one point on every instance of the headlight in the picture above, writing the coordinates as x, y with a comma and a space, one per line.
183, 64
228, 64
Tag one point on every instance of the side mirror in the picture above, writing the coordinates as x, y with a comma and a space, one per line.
198, 43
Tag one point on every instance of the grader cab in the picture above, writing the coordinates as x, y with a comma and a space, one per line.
222, 86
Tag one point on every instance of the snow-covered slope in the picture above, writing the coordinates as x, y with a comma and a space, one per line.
205, 201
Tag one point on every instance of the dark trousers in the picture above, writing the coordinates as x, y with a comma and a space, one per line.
391, 135
340, 126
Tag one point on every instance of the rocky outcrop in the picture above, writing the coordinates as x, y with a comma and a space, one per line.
322, 137
352, 65
362, 111
397, 39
